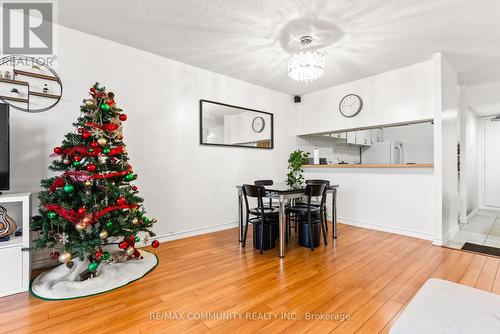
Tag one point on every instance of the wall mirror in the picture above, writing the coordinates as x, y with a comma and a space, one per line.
226, 125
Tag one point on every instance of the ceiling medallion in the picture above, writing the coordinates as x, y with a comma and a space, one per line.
306, 66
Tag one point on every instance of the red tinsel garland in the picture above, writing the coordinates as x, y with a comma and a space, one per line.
74, 217
84, 151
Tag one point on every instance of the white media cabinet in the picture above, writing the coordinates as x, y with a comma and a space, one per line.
14, 263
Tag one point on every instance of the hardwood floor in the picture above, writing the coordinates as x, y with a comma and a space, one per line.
366, 276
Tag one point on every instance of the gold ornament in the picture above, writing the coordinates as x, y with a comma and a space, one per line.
66, 161
102, 141
135, 221
130, 250
90, 103
81, 226
87, 183
103, 235
86, 220
65, 257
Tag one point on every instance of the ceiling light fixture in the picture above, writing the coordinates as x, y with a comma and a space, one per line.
306, 66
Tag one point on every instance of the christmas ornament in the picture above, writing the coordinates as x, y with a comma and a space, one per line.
65, 257
81, 210
98, 254
91, 167
66, 161
130, 251
68, 188
104, 107
121, 200
93, 266
111, 127
109, 224
92, 89
81, 226
134, 188
135, 221
91, 150
123, 117
105, 256
123, 245
130, 177
103, 235
155, 244
63, 238
86, 220
77, 158
57, 150
106, 151
87, 183
137, 239
90, 103
94, 144
102, 141
54, 255
76, 163
52, 215
86, 135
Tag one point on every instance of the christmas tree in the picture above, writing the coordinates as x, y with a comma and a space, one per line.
92, 203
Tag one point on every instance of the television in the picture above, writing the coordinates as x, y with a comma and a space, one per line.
4, 147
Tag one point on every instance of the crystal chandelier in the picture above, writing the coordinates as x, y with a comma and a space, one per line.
306, 66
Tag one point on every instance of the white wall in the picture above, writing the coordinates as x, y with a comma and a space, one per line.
392, 200
418, 141
188, 187
401, 95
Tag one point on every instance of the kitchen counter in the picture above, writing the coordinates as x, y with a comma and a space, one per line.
370, 166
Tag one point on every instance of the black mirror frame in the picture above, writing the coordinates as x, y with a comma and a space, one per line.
242, 108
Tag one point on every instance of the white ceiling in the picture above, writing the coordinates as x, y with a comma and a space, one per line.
252, 39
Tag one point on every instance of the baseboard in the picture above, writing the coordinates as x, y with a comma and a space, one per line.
451, 232
47, 262
469, 216
385, 228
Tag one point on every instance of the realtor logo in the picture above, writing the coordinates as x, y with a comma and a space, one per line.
27, 28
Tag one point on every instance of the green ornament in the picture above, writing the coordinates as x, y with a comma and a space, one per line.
52, 215
105, 256
145, 220
76, 163
137, 239
109, 224
91, 150
106, 151
93, 266
105, 107
129, 177
68, 188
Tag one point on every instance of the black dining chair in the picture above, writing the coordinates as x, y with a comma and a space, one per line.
310, 214
267, 183
318, 203
261, 216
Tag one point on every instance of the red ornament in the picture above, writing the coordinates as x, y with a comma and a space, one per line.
134, 188
80, 130
54, 255
123, 245
86, 135
82, 210
92, 89
110, 127
98, 254
123, 117
94, 144
57, 150
121, 201
155, 244
91, 167
77, 158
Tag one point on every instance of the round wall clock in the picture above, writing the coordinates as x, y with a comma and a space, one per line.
350, 105
258, 124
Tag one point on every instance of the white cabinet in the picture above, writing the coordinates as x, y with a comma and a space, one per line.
16, 263
339, 135
377, 135
364, 137
351, 137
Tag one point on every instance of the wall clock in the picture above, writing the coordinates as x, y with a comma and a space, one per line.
350, 105
258, 124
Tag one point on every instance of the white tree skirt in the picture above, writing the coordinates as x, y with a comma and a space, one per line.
63, 283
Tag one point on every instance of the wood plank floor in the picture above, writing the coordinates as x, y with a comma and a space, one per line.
358, 284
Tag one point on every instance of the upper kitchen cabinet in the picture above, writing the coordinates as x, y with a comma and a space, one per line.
377, 135
403, 95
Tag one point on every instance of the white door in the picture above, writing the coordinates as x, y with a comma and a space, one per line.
492, 164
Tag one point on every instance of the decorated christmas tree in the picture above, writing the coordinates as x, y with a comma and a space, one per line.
92, 203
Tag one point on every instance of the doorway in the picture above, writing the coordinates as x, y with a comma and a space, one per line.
491, 149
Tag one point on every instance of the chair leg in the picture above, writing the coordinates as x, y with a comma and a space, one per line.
323, 227
310, 235
261, 237
326, 218
245, 234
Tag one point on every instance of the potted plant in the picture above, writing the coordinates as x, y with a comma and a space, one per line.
297, 159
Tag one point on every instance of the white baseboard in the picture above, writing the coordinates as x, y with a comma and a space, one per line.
44, 262
469, 216
385, 228
451, 232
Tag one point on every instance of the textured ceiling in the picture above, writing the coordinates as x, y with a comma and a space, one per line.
252, 39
